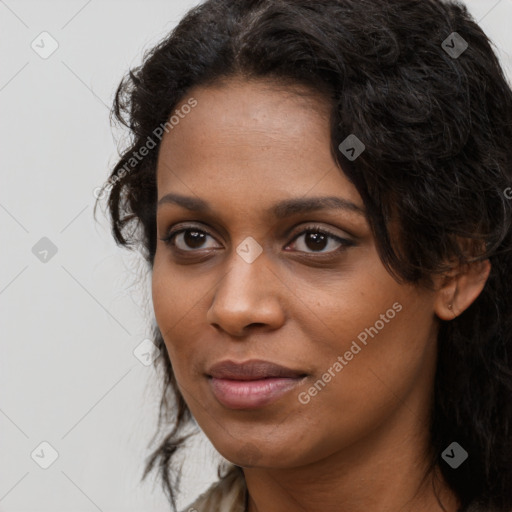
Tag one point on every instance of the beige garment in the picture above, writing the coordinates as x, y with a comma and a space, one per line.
226, 495
229, 494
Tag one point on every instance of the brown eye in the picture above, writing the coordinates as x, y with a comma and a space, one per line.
316, 240
187, 239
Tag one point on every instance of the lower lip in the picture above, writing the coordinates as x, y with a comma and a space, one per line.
251, 394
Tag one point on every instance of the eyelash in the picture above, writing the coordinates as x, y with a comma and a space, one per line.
168, 240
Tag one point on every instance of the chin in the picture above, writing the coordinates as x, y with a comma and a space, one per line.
252, 454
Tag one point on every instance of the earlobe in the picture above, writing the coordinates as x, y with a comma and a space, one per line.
460, 289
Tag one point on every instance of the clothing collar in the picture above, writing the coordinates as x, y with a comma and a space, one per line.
229, 494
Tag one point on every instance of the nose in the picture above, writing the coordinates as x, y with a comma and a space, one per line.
248, 296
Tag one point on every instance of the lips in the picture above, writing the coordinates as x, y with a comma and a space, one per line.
252, 384
252, 370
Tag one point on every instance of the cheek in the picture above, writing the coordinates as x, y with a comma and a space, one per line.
336, 314
383, 332
162, 295
169, 305
176, 303
393, 371
173, 296
382, 358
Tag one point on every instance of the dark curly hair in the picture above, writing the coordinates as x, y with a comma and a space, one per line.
437, 128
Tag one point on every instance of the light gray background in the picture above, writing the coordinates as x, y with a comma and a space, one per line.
68, 375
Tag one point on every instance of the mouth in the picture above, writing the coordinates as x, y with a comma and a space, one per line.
252, 384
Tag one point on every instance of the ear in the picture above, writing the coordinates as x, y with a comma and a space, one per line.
459, 288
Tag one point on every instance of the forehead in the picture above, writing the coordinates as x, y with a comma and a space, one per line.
243, 122
252, 142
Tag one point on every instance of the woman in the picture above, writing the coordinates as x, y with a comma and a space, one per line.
320, 189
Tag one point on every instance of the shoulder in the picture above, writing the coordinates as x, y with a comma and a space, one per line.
226, 495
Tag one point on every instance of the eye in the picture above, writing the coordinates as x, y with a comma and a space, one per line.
190, 237
317, 239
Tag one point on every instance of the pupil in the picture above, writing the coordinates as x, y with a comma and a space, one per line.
194, 239
318, 240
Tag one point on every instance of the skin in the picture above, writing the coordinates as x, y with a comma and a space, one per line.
361, 443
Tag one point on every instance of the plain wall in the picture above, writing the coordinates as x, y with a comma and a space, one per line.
69, 325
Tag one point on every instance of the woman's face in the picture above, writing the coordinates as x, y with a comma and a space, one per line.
255, 278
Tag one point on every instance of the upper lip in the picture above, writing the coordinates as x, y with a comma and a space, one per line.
251, 370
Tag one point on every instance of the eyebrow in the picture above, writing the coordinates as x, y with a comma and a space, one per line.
305, 205
280, 210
